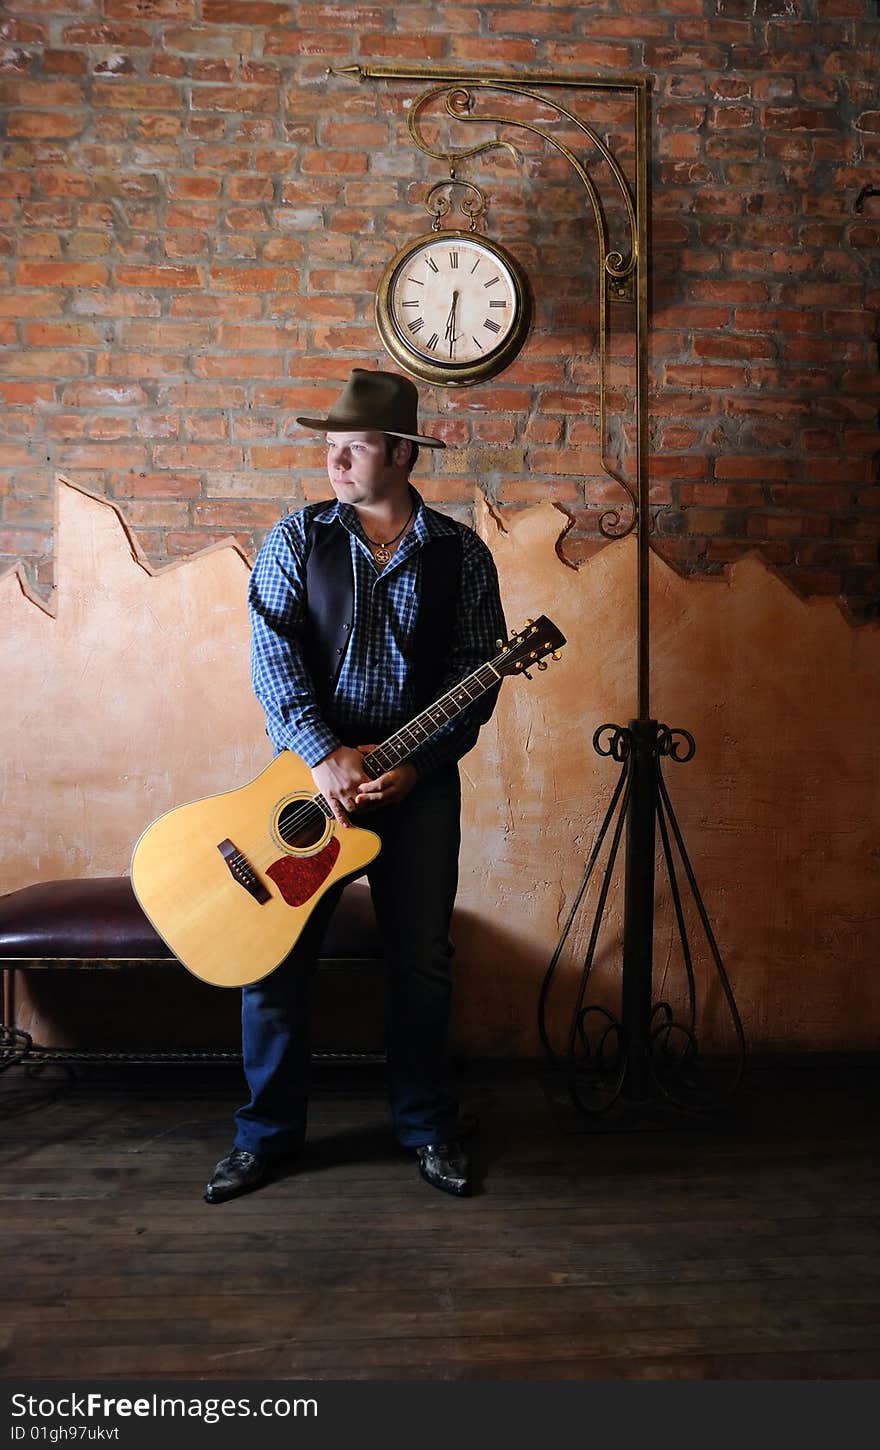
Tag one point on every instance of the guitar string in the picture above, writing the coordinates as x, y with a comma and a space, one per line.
310, 806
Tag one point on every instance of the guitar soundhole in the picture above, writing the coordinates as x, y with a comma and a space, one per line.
301, 825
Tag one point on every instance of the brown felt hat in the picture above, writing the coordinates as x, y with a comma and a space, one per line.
375, 402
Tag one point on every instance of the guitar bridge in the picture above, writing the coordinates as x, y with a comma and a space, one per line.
241, 870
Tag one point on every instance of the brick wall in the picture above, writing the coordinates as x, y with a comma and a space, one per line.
193, 220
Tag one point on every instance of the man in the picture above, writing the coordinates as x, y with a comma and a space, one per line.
363, 612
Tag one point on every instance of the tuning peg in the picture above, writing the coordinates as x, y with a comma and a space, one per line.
542, 664
556, 655
528, 622
499, 644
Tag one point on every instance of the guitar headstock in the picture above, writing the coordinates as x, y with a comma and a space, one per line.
529, 648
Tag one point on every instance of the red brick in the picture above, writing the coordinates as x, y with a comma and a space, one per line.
100, 455
713, 345
197, 456
159, 277
478, 48
208, 427
761, 467
135, 95
22, 542
14, 454
61, 274
789, 526
824, 498
235, 514
165, 334
195, 188
684, 465
359, 134
796, 118
44, 363
705, 376
839, 470
40, 93
103, 395
729, 291
157, 485
334, 163
113, 427
239, 365
138, 364
105, 35
260, 99
254, 279
62, 334
250, 188
772, 319
403, 47
234, 337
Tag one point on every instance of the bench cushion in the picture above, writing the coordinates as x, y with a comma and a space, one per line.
100, 918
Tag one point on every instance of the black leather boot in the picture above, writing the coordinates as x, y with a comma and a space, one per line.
237, 1173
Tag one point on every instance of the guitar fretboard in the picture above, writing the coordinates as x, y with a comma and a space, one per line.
407, 740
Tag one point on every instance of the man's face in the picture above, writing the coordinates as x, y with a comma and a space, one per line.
358, 468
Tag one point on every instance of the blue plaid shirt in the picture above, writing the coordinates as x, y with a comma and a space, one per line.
374, 694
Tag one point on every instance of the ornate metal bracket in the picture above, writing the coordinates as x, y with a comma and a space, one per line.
621, 268
438, 206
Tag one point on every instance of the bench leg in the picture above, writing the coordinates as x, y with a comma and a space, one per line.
14, 1044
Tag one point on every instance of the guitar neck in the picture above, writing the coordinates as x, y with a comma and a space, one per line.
424, 727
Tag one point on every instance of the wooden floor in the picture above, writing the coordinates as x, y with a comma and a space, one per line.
745, 1248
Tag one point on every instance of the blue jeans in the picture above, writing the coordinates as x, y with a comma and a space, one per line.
413, 882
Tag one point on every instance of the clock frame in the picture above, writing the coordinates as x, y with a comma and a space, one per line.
401, 338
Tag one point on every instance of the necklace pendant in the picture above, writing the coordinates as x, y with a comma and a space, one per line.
382, 554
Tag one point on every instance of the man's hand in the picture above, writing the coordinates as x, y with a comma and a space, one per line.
339, 777
388, 789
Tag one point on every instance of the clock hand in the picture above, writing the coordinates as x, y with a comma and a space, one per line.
450, 324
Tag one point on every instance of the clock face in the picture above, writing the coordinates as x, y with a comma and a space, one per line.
453, 307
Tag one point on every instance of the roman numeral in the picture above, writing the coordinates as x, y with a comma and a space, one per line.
492, 280
492, 325
417, 325
495, 302
476, 265
433, 339
416, 280
413, 303
477, 341
453, 259
432, 264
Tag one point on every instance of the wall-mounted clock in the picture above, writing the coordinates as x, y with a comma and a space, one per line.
453, 308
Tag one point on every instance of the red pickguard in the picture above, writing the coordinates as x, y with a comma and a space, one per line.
299, 877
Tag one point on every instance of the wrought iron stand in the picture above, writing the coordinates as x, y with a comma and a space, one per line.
645, 1051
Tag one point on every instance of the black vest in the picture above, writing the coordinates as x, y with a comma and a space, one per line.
330, 609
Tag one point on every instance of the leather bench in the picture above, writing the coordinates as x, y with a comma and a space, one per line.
97, 925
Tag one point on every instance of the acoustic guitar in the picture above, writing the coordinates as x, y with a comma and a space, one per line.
230, 880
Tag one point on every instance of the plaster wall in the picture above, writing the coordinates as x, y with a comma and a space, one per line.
134, 696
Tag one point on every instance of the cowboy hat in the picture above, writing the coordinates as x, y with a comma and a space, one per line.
376, 402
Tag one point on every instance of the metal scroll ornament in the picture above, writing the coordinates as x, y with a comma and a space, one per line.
618, 269
620, 272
